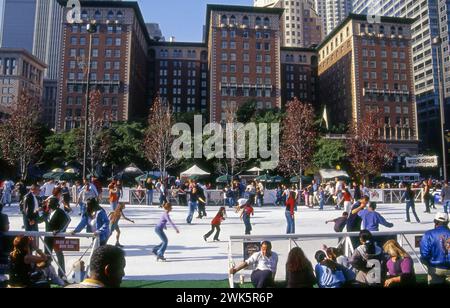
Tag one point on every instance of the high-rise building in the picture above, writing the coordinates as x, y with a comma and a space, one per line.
366, 67
244, 57
20, 71
301, 26
430, 21
179, 74
119, 63
299, 74
17, 24
332, 12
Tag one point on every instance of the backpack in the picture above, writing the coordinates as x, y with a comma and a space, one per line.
372, 275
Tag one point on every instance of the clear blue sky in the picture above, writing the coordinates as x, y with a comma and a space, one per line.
183, 19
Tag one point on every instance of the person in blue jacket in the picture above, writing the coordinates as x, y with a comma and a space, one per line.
435, 251
95, 220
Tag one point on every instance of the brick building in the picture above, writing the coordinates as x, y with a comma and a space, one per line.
299, 74
119, 66
243, 57
20, 72
366, 66
179, 73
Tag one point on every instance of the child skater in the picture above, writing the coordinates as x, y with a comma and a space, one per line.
215, 225
114, 218
246, 213
159, 229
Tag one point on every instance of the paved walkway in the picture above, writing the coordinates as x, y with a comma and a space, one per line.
190, 258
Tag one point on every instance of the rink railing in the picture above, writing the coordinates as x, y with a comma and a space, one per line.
40, 236
215, 197
241, 247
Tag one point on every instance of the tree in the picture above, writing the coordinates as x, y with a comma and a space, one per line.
158, 138
98, 144
329, 153
366, 152
245, 112
19, 134
298, 138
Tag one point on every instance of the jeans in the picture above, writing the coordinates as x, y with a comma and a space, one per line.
150, 197
248, 225
216, 236
426, 199
411, 205
290, 223
201, 209
82, 208
446, 206
262, 279
162, 199
161, 248
192, 207
321, 204
231, 202
437, 276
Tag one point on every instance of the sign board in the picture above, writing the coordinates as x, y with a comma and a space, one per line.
376, 195
250, 248
417, 240
422, 161
65, 244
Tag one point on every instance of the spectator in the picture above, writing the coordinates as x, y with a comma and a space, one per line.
106, 269
337, 255
329, 274
5, 248
372, 219
150, 187
57, 222
87, 192
435, 251
28, 270
445, 197
299, 270
95, 220
367, 260
47, 188
321, 196
98, 187
266, 266
400, 266
30, 209
8, 187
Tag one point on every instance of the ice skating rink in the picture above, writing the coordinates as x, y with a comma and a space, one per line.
189, 257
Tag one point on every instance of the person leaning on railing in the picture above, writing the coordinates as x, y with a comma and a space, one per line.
434, 251
266, 266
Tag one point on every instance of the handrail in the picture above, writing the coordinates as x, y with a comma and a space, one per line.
320, 235
48, 234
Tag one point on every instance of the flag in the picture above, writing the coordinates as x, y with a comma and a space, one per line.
325, 117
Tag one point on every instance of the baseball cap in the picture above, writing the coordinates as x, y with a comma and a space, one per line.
441, 217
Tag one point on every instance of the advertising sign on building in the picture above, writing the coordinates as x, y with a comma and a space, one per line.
422, 161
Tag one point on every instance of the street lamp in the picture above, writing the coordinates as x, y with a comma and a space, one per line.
437, 42
91, 28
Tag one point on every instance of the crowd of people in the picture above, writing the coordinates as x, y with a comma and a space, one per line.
375, 262
49, 203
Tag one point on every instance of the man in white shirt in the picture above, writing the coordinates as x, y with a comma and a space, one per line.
47, 188
266, 266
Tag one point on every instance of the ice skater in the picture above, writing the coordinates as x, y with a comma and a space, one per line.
159, 229
246, 213
114, 218
215, 225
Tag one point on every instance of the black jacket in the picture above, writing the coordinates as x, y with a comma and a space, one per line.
58, 222
30, 207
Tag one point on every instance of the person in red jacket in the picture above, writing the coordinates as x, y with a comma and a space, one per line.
290, 216
215, 225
